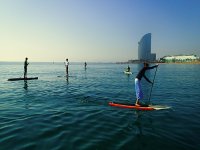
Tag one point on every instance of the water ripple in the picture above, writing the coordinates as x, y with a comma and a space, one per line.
55, 113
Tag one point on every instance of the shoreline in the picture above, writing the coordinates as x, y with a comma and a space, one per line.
192, 63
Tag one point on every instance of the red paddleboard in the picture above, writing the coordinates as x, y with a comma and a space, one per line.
150, 107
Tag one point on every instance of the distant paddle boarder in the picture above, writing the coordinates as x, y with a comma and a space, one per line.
66, 65
85, 64
25, 67
128, 69
138, 89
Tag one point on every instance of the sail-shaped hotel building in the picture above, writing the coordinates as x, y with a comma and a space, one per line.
144, 49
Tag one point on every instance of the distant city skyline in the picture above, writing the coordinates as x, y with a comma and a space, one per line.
96, 30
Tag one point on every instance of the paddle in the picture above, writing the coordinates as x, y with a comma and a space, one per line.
152, 84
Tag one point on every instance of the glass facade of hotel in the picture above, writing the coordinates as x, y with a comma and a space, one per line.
144, 49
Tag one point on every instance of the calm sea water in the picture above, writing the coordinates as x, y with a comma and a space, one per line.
55, 113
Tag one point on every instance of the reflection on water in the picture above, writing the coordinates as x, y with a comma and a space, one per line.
67, 79
25, 84
138, 122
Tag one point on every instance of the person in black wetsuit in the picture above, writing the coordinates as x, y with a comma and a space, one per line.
85, 64
67, 66
128, 69
25, 67
138, 89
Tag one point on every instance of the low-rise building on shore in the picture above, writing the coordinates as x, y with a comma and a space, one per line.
179, 58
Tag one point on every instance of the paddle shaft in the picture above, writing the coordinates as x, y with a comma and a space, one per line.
152, 84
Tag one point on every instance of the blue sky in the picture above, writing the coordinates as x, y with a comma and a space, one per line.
96, 30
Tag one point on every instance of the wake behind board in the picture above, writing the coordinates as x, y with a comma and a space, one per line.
17, 79
142, 107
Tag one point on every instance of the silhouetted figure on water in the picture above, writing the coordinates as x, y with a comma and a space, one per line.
85, 64
67, 66
25, 67
128, 69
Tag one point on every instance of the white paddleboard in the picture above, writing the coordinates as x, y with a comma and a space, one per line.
127, 72
159, 107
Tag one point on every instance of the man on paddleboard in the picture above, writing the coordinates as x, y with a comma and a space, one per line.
138, 89
85, 64
66, 65
128, 69
25, 67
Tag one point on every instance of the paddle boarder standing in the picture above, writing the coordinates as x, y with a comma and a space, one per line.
66, 65
138, 89
25, 67
85, 64
128, 69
